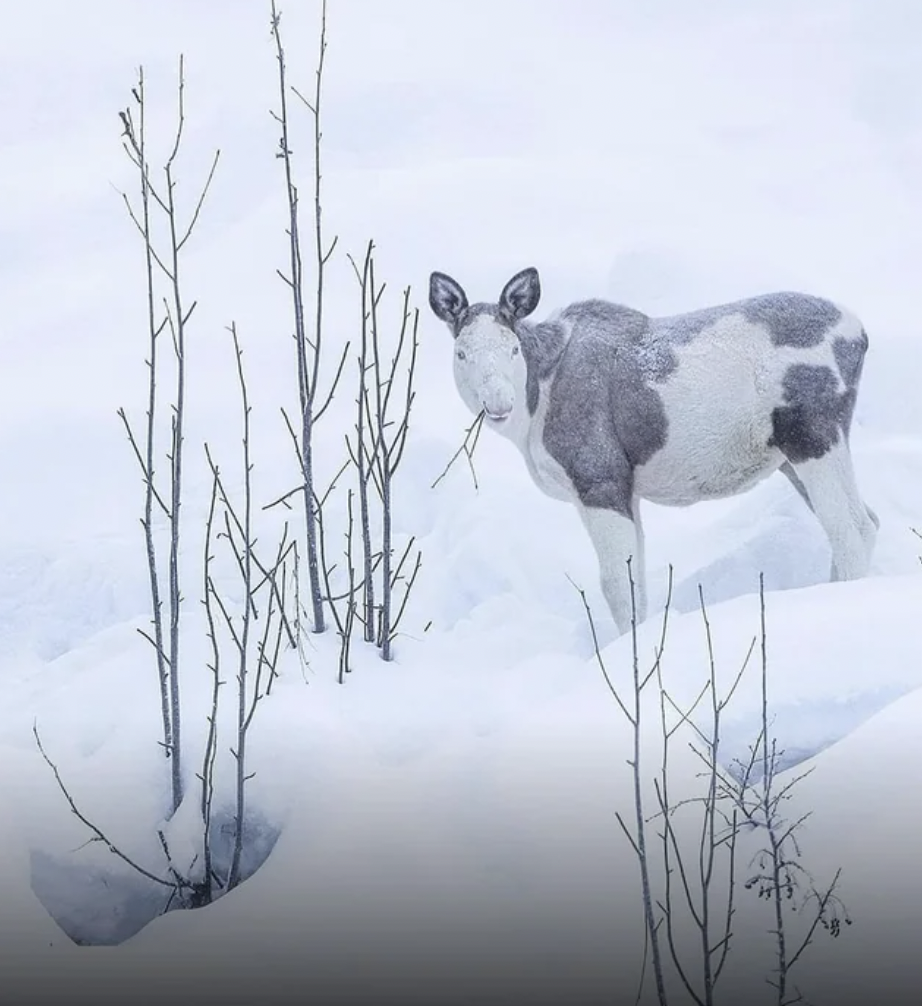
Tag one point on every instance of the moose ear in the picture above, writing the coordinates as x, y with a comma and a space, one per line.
446, 298
521, 294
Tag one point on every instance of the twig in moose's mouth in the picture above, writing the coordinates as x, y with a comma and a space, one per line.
471, 436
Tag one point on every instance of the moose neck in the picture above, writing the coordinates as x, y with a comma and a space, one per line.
542, 346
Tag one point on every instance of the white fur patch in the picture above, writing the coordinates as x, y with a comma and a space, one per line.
719, 403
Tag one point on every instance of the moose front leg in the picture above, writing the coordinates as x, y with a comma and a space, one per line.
616, 539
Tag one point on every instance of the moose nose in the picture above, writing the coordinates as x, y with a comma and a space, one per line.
497, 413
499, 404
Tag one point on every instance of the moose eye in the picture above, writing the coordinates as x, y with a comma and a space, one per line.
460, 354
515, 350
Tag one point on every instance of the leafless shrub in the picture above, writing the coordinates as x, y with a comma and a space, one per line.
308, 348
256, 648
384, 404
707, 884
776, 871
163, 265
700, 880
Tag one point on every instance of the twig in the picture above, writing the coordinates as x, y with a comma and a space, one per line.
471, 436
246, 621
138, 144
99, 834
211, 746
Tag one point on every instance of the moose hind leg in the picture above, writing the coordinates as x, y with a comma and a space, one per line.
790, 473
830, 488
615, 539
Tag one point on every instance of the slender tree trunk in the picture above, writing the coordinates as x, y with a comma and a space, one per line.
385, 628
308, 355
247, 618
163, 672
364, 463
175, 505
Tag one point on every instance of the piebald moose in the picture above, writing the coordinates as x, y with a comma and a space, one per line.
610, 406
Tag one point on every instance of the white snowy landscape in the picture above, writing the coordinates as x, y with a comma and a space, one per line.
442, 828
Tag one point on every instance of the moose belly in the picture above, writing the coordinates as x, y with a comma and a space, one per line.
686, 472
719, 425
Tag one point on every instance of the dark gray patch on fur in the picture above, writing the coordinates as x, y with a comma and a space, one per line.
815, 413
603, 418
793, 319
849, 355
622, 325
542, 345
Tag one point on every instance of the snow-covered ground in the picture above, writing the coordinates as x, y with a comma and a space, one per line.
447, 822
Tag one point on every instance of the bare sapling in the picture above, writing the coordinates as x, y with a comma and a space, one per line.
343, 605
364, 465
242, 639
700, 879
308, 347
206, 777
165, 312
707, 879
256, 647
778, 874
637, 832
384, 404
343, 618
262, 650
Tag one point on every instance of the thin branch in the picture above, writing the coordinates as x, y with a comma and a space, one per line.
100, 835
406, 594
471, 436
201, 201
246, 618
598, 653
211, 747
